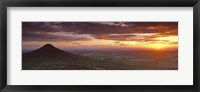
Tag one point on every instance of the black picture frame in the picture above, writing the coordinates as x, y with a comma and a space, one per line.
98, 3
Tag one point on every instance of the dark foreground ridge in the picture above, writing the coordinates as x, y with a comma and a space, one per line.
49, 57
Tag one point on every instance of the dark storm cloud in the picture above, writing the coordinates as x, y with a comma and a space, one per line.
118, 28
45, 31
47, 36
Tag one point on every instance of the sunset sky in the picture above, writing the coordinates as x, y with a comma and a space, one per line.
101, 35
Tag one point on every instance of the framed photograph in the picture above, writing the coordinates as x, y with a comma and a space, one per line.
86, 45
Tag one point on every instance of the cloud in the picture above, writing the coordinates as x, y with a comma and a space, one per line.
119, 31
121, 24
130, 37
56, 36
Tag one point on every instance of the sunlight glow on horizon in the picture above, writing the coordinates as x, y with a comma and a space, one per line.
160, 44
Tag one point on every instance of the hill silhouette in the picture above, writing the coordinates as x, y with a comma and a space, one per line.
49, 57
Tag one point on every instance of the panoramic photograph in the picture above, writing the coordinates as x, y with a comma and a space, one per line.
100, 45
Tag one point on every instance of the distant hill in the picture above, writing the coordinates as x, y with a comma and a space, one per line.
49, 57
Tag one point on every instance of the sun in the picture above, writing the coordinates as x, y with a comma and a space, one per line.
157, 46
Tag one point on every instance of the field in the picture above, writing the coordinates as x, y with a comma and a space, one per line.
136, 59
